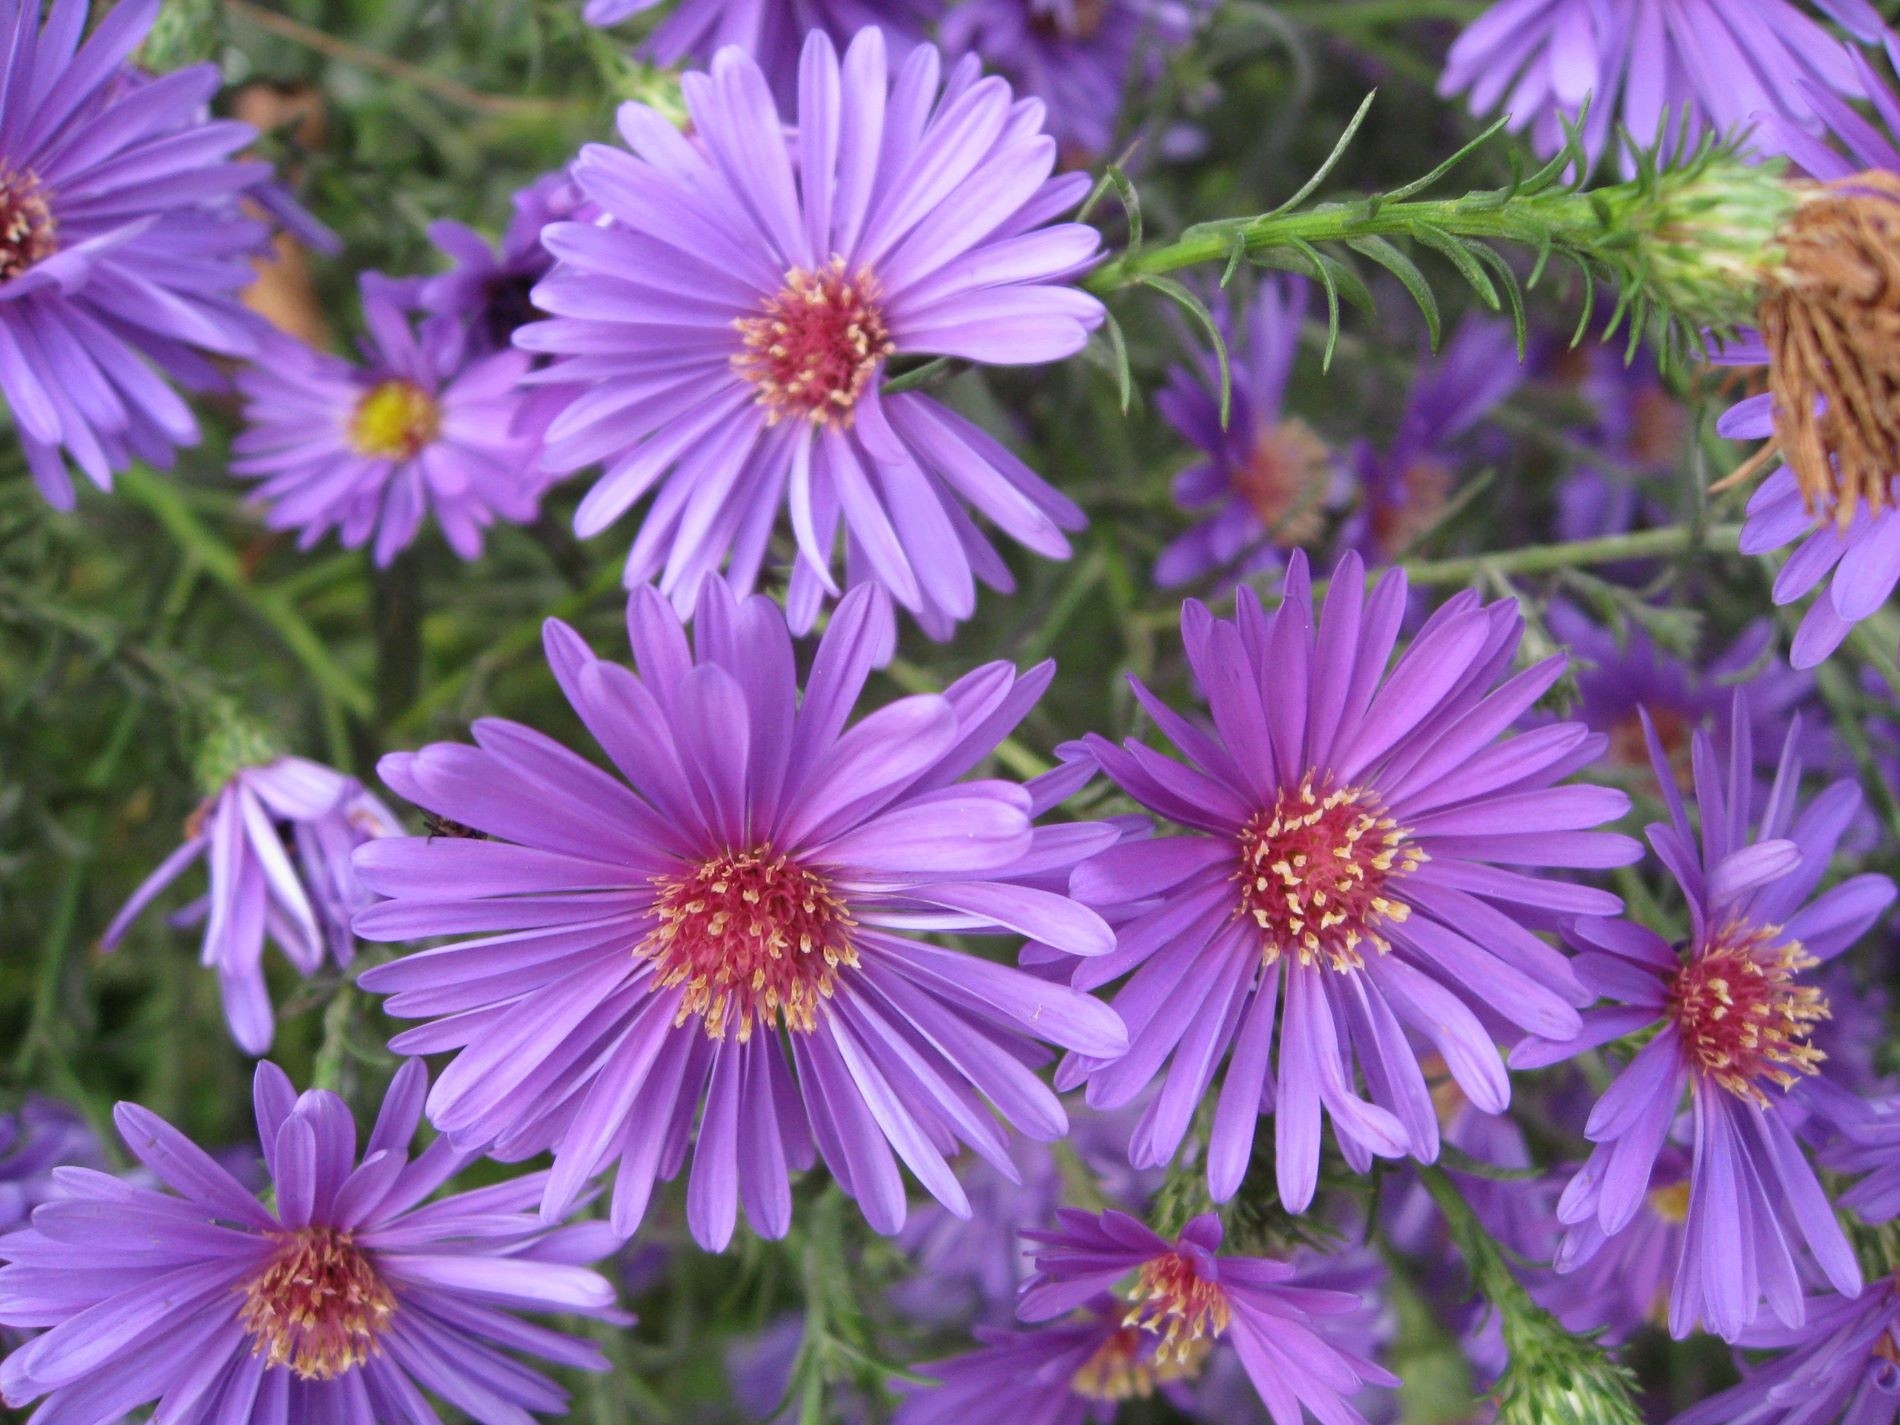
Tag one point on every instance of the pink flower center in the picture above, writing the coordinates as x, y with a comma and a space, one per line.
1743, 1015
817, 345
1284, 481
1173, 1300
394, 420
1424, 489
318, 1307
28, 233
1126, 1367
1314, 870
753, 937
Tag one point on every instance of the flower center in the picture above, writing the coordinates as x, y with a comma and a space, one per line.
28, 233
508, 306
1188, 1312
1314, 870
817, 345
1743, 1015
1399, 522
1068, 19
1284, 481
1831, 323
394, 420
1658, 428
318, 1307
1629, 748
1671, 1203
753, 937
1126, 1367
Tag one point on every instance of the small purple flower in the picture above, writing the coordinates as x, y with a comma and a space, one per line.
1640, 62
1636, 432
1343, 866
1080, 57
1842, 1364
1733, 1018
773, 32
729, 920
1189, 1296
40, 1136
1267, 480
734, 319
427, 424
1616, 1285
342, 1301
489, 289
276, 839
124, 246
1869, 1143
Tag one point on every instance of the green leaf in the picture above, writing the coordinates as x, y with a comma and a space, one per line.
1308, 188
1456, 251
1393, 260
1182, 297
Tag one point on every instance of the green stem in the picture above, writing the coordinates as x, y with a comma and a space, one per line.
1352, 15
1576, 553
166, 504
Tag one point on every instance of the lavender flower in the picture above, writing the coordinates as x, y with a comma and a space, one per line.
1189, 1296
1344, 844
1732, 1017
276, 838
41, 1135
734, 319
426, 425
122, 245
1268, 480
1636, 429
1079, 57
643, 939
342, 1301
1869, 1143
1640, 63
1616, 1285
488, 289
772, 33
1841, 1364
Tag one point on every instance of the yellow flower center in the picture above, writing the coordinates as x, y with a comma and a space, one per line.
394, 420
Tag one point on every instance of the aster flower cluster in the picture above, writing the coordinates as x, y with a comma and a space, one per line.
885, 710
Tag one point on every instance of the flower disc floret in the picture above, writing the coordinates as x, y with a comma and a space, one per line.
817, 344
318, 1307
1743, 1014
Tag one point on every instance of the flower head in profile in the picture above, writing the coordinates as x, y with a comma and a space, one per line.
1185, 1297
1080, 57
1353, 859
1674, 69
276, 836
344, 1299
1266, 481
489, 288
733, 323
425, 425
1733, 1008
122, 242
715, 946
773, 33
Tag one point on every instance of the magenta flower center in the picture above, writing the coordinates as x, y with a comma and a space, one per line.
1172, 1299
752, 937
318, 1307
394, 420
1284, 481
817, 345
28, 233
1314, 870
1126, 1367
1743, 1014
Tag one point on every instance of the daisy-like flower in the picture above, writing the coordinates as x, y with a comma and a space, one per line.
1345, 865
1619, 1284
722, 934
1841, 1364
430, 423
772, 31
1080, 57
489, 288
276, 837
733, 322
1188, 1296
1733, 1011
1267, 481
122, 245
1716, 64
342, 1301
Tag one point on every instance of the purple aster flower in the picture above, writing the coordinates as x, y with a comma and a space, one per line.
1189, 1296
124, 247
342, 1301
1617, 1285
1869, 1143
426, 424
1733, 1018
489, 288
768, 869
276, 839
1345, 865
1405, 488
1842, 1364
1080, 57
40, 1136
733, 321
1267, 480
1642, 63
773, 32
